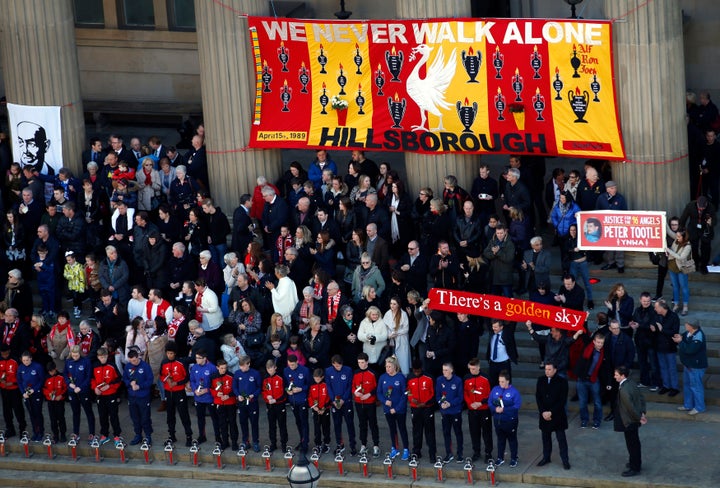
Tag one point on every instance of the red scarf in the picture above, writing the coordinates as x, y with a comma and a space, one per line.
148, 177
85, 343
198, 301
332, 304
318, 289
68, 333
10, 330
173, 327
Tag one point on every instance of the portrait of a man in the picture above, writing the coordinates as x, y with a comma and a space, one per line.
593, 230
34, 144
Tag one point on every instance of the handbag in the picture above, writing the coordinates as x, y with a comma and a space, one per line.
687, 266
385, 353
654, 258
254, 340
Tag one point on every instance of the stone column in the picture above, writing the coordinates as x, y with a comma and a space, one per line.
430, 169
228, 92
40, 65
650, 80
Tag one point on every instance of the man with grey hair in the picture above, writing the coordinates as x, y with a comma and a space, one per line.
516, 194
15, 333
274, 216
378, 249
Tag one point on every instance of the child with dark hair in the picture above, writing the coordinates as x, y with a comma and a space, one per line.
55, 392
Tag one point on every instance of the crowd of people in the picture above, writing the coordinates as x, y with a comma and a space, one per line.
315, 299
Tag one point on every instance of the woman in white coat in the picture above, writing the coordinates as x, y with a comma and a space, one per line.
373, 334
398, 327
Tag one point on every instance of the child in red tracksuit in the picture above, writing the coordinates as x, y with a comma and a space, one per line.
364, 384
284, 241
55, 392
319, 402
273, 392
224, 402
105, 382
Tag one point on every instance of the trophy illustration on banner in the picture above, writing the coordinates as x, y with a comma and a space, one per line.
595, 88
557, 84
500, 104
517, 85
575, 62
324, 99
285, 96
322, 60
266, 77
360, 100
539, 105
498, 62
466, 114
283, 56
472, 63
536, 63
394, 61
303, 77
379, 80
397, 110
357, 59
342, 81
579, 104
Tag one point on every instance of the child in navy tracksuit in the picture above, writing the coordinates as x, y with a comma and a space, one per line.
31, 378
247, 386
339, 382
45, 270
505, 404
297, 383
449, 395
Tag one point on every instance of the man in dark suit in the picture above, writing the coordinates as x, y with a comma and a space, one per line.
174, 156
197, 163
300, 269
274, 215
377, 213
241, 233
157, 147
415, 267
302, 214
551, 394
630, 416
378, 249
323, 222
94, 154
123, 153
31, 210
332, 302
502, 350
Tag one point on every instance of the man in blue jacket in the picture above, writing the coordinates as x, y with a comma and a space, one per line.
297, 379
31, 378
138, 379
247, 386
449, 396
339, 384
505, 404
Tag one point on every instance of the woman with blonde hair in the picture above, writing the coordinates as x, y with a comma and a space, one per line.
279, 327
391, 393
373, 334
398, 326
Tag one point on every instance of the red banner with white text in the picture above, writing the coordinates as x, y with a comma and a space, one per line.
510, 309
526, 86
621, 231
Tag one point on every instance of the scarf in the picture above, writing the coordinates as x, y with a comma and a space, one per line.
332, 304
10, 330
10, 291
198, 301
68, 333
148, 177
85, 343
173, 327
394, 227
318, 290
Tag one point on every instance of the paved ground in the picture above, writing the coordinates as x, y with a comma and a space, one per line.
675, 453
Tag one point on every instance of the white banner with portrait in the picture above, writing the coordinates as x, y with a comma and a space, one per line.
36, 136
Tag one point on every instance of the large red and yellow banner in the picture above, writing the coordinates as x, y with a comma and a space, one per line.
509, 309
527, 86
622, 231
